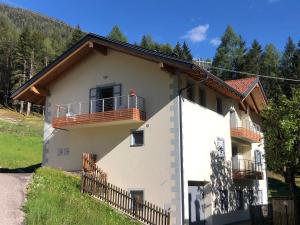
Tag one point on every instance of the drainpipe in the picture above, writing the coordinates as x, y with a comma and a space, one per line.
181, 142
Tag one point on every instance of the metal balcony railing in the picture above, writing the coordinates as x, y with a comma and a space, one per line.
101, 105
245, 129
245, 168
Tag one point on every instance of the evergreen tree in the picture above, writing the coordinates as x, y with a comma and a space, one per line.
252, 58
270, 61
7, 47
117, 34
166, 49
230, 54
186, 52
178, 51
288, 66
147, 42
77, 34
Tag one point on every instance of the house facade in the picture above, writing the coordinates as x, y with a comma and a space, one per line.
164, 129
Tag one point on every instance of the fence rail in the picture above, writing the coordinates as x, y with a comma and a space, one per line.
89, 166
144, 211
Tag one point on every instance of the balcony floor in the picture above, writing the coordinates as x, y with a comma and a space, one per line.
107, 118
245, 134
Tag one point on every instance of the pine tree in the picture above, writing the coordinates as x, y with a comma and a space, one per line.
270, 62
178, 51
288, 66
166, 49
186, 52
253, 58
147, 42
117, 34
77, 34
230, 54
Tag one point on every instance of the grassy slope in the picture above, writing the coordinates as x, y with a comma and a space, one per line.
54, 198
20, 140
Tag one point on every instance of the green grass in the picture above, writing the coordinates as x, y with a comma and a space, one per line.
54, 198
21, 141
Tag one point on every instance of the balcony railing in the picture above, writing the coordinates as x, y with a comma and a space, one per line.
114, 109
246, 169
245, 129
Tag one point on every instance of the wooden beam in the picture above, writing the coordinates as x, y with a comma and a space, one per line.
167, 68
40, 91
255, 105
100, 48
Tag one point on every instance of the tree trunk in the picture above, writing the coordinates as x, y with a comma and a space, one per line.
21, 107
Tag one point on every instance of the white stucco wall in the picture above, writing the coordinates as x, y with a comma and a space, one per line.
151, 167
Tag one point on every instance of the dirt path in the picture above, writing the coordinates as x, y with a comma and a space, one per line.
12, 196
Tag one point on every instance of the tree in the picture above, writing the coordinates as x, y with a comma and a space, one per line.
281, 126
186, 52
77, 34
178, 51
229, 55
288, 65
253, 58
147, 42
117, 34
270, 60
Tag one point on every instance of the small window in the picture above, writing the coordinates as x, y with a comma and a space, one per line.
219, 106
239, 199
190, 92
234, 150
202, 97
224, 200
138, 198
137, 138
259, 197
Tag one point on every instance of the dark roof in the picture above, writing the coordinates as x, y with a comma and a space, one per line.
134, 49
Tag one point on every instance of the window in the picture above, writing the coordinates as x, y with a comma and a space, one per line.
221, 147
257, 155
138, 198
190, 92
137, 138
224, 200
202, 97
239, 200
219, 106
234, 150
250, 197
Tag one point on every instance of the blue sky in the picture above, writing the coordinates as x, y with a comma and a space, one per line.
199, 22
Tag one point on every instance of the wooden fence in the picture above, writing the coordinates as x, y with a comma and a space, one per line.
89, 166
121, 199
286, 211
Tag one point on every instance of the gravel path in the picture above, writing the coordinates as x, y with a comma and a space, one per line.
12, 196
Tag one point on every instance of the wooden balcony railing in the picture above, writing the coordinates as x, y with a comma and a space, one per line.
246, 169
245, 129
119, 108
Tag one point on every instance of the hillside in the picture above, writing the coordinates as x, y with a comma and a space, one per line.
22, 18
21, 140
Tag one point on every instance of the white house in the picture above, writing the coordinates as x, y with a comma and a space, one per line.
165, 129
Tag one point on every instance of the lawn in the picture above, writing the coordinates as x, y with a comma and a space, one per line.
54, 198
21, 140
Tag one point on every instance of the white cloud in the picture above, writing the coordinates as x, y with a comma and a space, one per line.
215, 41
197, 34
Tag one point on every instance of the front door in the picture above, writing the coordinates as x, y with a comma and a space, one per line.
106, 96
196, 203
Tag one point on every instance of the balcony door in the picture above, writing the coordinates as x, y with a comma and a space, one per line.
106, 98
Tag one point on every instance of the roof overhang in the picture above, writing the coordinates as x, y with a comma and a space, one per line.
36, 90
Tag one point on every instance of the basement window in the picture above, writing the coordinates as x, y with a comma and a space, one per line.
138, 198
137, 138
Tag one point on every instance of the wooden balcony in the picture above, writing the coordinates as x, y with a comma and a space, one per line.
100, 112
245, 130
246, 169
